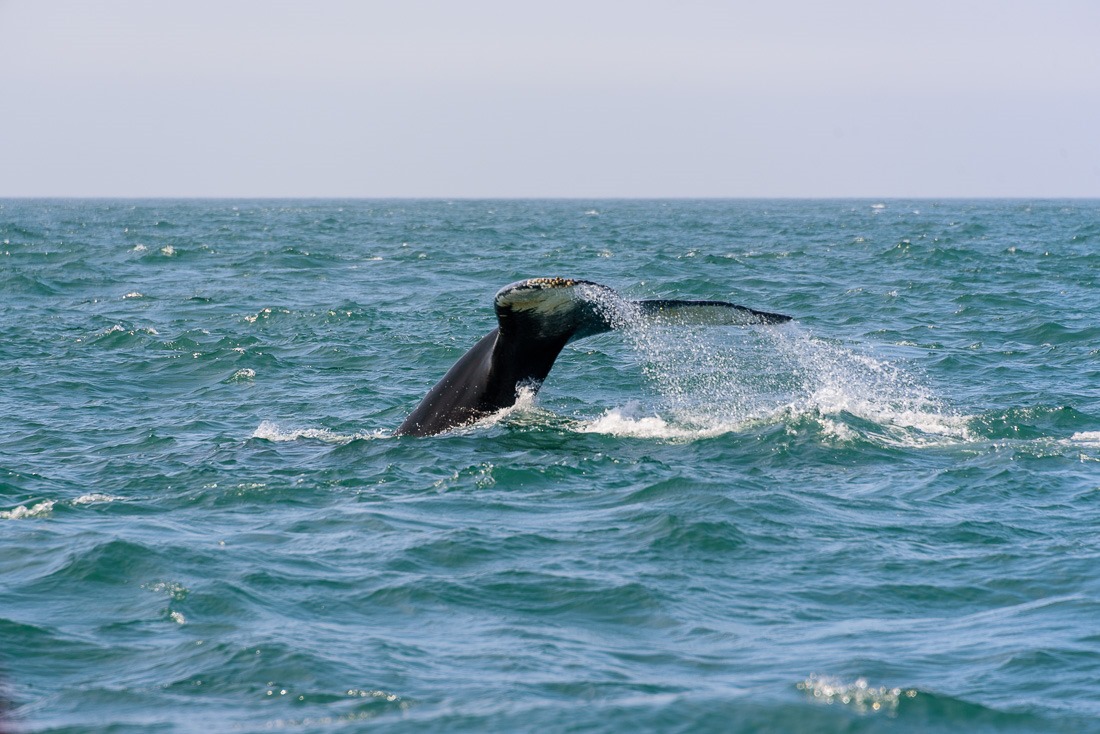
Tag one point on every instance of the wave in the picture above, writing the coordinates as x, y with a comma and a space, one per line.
913, 706
1036, 422
858, 695
120, 335
27, 285
41, 509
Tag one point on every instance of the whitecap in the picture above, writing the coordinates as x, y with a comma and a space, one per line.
42, 509
1089, 438
94, 498
838, 431
119, 328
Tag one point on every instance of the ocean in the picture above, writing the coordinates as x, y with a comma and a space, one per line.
883, 516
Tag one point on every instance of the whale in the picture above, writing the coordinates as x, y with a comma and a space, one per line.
536, 318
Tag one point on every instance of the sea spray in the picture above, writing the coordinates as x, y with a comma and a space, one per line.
714, 379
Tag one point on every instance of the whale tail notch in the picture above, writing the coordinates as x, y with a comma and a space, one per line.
536, 318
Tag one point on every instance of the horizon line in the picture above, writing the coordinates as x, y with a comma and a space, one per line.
312, 197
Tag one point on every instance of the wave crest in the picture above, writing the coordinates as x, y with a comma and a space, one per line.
858, 695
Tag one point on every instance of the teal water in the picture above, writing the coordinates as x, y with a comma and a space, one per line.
882, 517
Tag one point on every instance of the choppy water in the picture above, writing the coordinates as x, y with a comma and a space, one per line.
883, 517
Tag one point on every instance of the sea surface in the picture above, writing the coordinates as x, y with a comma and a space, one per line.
881, 517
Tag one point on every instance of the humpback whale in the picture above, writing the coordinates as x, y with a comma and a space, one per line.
536, 318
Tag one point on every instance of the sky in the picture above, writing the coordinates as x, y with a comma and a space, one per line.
505, 98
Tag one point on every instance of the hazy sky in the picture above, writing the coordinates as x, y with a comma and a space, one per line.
577, 99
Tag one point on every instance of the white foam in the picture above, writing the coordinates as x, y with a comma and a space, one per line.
42, 509
270, 431
1089, 438
626, 422
94, 498
524, 410
838, 431
265, 313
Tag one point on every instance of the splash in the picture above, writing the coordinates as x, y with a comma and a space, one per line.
618, 311
524, 413
843, 383
713, 380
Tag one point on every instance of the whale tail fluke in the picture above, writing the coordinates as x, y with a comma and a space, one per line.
555, 307
706, 313
536, 319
